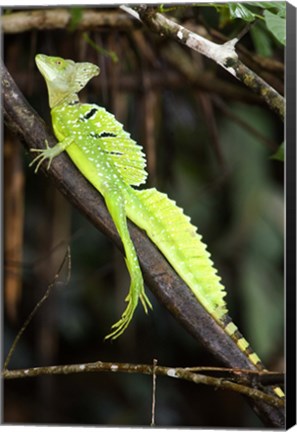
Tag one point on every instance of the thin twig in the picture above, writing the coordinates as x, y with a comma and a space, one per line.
239, 375
39, 304
146, 369
155, 362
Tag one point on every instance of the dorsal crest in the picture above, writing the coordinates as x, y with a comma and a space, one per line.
64, 78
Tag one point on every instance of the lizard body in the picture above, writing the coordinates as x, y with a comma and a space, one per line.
107, 156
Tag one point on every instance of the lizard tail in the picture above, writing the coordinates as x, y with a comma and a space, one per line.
231, 329
170, 229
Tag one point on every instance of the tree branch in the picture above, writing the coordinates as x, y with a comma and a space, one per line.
270, 69
224, 55
47, 19
179, 373
158, 274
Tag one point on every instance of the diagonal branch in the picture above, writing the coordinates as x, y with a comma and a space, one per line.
224, 54
159, 275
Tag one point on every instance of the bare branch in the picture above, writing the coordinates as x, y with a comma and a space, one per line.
224, 54
47, 19
270, 64
179, 373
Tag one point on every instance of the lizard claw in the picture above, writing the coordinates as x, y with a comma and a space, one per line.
132, 299
47, 153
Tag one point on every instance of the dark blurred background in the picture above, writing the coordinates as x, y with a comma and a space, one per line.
209, 143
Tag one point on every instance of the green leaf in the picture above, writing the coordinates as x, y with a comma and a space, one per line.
280, 153
282, 8
237, 10
276, 24
269, 5
279, 7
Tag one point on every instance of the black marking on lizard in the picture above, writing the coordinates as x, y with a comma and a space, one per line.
103, 135
90, 113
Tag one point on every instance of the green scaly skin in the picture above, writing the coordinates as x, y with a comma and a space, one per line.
107, 156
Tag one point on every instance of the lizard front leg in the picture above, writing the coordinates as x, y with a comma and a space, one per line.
49, 152
116, 206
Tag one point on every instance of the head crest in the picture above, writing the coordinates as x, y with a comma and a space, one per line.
64, 78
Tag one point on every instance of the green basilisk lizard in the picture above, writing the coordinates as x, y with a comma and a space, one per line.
112, 162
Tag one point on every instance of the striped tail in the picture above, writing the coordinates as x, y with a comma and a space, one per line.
231, 329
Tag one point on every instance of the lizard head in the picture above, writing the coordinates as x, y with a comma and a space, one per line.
64, 78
